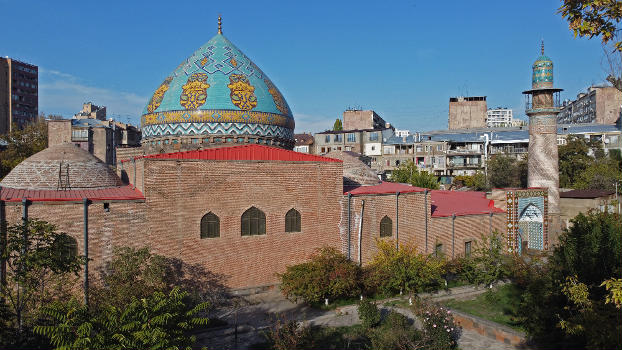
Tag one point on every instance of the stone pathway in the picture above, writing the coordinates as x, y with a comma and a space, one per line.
253, 315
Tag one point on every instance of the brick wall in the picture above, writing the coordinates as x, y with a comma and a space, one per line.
122, 225
124, 153
180, 192
411, 222
466, 228
59, 131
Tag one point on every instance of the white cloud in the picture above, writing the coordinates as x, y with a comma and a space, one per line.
64, 94
312, 123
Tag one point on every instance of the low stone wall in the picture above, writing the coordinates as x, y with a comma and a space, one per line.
489, 329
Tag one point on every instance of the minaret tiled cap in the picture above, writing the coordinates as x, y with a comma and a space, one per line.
542, 71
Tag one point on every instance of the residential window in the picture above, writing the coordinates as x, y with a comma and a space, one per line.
439, 147
338, 137
373, 136
351, 137
253, 222
210, 226
327, 139
292, 221
386, 227
467, 249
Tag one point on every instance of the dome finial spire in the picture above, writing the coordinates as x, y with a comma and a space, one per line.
219, 24
542, 47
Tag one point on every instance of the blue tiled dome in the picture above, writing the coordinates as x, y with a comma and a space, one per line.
217, 90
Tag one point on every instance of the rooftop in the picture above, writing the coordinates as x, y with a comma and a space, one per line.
385, 188
448, 203
584, 194
243, 152
61, 166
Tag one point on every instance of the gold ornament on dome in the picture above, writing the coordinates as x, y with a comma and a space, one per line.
278, 99
233, 62
158, 95
242, 92
194, 91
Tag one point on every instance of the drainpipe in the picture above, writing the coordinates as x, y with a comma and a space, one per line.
24, 211
453, 235
397, 220
85, 202
490, 222
425, 209
134, 162
349, 234
3, 242
361, 232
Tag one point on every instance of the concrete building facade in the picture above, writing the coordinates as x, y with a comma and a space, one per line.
600, 105
357, 119
467, 112
499, 118
19, 93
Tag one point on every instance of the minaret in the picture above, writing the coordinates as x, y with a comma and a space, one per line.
542, 108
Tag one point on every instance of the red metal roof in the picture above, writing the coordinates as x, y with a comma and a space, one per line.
448, 203
112, 194
243, 152
384, 188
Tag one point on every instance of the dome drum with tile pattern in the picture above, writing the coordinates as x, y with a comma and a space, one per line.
216, 97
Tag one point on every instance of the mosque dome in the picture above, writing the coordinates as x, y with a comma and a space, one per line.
63, 165
218, 90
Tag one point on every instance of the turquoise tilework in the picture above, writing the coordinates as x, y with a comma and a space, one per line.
219, 59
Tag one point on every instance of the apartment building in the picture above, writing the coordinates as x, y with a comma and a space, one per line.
19, 93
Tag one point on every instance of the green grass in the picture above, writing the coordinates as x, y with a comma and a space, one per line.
500, 306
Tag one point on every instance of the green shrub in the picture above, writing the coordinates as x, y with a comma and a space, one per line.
368, 313
289, 335
405, 269
329, 274
395, 333
440, 331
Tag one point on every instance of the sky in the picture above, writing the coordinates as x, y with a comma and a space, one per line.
403, 59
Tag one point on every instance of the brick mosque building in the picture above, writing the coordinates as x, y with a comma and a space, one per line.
216, 184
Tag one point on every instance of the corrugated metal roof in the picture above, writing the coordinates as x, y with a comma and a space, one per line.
448, 203
511, 134
243, 152
385, 188
586, 193
112, 194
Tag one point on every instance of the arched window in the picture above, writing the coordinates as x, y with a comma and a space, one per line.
65, 247
292, 221
210, 226
386, 227
253, 222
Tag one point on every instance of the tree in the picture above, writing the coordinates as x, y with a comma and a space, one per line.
583, 165
158, 321
22, 143
408, 173
574, 158
489, 259
337, 126
476, 181
565, 304
37, 257
594, 18
505, 171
